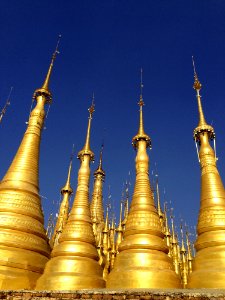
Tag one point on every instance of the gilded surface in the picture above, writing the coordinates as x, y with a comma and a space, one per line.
209, 262
63, 214
142, 261
74, 263
24, 249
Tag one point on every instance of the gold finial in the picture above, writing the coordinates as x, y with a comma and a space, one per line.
158, 197
99, 170
141, 133
100, 160
45, 89
197, 85
86, 149
141, 104
141, 88
202, 125
6, 104
67, 188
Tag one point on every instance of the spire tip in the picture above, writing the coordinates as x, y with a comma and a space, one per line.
197, 85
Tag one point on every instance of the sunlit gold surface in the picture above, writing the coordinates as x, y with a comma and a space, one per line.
97, 210
142, 261
209, 262
24, 248
63, 214
74, 263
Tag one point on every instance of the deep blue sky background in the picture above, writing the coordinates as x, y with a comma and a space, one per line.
104, 45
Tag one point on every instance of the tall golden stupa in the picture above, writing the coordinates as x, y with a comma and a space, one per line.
24, 248
209, 263
74, 263
88, 251
142, 261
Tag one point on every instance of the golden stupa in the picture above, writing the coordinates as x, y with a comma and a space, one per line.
143, 261
24, 248
209, 262
63, 214
74, 263
96, 206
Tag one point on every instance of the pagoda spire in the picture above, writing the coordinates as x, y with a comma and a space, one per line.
23, 241
183, 264
143, 236
126, 206
119, 229
141, 135
44, 90
63, 214
3, 111
74, 263
209, 262
189, 252
97, 210
160, 213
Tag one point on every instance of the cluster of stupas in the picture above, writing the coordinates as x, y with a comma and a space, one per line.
86, 249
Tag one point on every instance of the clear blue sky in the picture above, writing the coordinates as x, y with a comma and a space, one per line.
104, 44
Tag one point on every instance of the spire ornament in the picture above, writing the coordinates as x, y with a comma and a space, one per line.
142, 261
202, 125
141, 135
209, 264
44, 90
3, 111
74, 263
24, 248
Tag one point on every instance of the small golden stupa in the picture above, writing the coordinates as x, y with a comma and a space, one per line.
142, 261
209, 262
63, 214
74, 263
96, 206
24, 248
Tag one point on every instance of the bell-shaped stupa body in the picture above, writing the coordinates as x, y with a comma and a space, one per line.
74, 263
24, 248
209, 263
142, 261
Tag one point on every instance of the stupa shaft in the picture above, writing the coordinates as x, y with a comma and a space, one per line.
142, 261
209, 263
74, 263
24, 249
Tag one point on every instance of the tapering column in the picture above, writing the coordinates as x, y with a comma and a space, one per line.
142, 261
97, 210
189, 253
24, 248
175, 253
63, 214
184, 261
160, 213
74, 264
209, 262
119, 230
